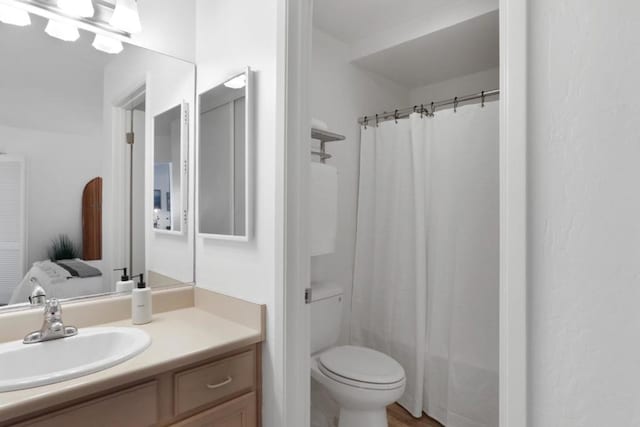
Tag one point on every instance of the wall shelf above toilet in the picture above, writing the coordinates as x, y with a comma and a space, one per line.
323, 136
326, 136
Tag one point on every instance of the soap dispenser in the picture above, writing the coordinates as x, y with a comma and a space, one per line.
125, 284
141, 303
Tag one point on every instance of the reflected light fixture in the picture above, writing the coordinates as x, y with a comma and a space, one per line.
14, 16
238, 82
62, 20
107, 44
125, 16
83, 8
62, 30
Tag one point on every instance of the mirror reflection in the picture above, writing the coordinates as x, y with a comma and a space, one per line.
167, 170
223, 183
79, 169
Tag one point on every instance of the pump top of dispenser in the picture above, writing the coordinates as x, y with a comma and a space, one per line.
124, 276
140, 284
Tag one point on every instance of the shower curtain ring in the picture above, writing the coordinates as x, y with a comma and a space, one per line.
365, 121
482, 96
395, 116
433, 109
376, 120
455, 104
421, 110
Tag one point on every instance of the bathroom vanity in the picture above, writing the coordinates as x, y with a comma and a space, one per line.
203, 368
82, 121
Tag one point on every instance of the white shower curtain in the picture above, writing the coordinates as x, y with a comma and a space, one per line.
426, 265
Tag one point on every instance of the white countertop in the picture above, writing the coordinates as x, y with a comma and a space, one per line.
179, 338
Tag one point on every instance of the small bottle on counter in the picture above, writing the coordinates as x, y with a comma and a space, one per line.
125, 284
141, 309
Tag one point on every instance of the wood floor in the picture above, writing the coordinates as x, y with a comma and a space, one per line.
398, 417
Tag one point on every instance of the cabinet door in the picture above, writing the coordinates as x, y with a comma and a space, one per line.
240, 412
133, 407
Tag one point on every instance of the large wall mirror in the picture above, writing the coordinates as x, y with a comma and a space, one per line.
224, 153
86, 139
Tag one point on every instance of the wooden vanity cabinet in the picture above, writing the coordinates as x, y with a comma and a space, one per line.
219, 392
239, 412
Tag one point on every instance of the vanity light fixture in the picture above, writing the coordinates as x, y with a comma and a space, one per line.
14, 16
112, 21
237, 82
82, 8
62, 30
125, 16
107, 44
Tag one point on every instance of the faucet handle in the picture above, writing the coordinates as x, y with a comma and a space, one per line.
52, 308
52, 326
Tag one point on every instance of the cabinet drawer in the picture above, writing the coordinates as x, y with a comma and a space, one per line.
132, 407
214, 382
240, 412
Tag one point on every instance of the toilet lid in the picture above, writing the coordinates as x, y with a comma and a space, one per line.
362, 364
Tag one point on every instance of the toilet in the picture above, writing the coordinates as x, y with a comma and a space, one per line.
362, 381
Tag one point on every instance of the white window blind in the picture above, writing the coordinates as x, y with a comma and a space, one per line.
12, 224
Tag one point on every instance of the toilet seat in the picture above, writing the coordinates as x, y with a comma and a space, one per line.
361, 367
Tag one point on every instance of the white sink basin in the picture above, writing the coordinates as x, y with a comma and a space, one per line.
93, 349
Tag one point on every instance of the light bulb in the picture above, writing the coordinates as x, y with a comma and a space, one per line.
83, 8
107, 44
125, 17
14, 16
62, 31
237, 82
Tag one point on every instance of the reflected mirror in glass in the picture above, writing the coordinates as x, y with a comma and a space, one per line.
168, 155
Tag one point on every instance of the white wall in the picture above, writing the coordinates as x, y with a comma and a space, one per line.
584, 213
168, 27
231, 35
340, 93
466, 85
55, 181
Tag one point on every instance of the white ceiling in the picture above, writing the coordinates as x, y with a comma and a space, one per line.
415, 42
465, 48
48, 84
352, 20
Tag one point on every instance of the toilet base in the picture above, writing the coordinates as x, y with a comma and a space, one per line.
372, 418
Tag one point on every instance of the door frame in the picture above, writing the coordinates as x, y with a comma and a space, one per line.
513, 213
294, 55
137, 94
294, 62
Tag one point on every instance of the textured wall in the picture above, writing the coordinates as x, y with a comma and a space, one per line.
584, 213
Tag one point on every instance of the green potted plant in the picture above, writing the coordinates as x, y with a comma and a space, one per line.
62, 247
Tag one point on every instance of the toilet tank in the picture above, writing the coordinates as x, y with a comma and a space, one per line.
326, 315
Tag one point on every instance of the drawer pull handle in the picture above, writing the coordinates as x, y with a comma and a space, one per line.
220, 384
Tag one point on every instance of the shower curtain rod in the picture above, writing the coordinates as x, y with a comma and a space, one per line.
427, 108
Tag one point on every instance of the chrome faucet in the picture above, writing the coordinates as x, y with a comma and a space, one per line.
52, 326
38, 295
